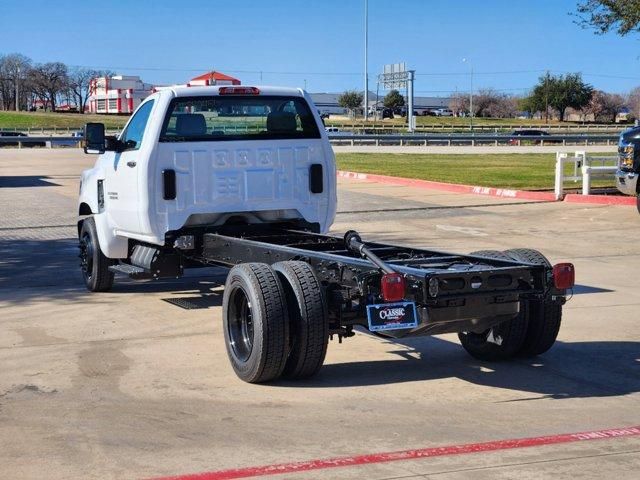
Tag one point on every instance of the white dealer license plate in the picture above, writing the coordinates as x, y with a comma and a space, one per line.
392, 316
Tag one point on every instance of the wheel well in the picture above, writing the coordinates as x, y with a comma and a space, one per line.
85, 209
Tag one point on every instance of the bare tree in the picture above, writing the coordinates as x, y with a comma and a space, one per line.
79, 82
459, 104
14, 70
633, 102
50, 80
489, 103
614, 103
604, 106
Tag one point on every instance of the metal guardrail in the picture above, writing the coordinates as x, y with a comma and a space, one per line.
585, 167
43, 131
48, 141
470, 139
378, 140
485, 127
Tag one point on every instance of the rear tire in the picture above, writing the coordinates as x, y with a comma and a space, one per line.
308, 319
502, 341
256, 323
545, 316
95, 266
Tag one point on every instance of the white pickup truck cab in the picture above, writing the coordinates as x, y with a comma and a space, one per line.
208, 155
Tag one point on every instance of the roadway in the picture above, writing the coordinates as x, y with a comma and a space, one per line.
467, 149
127, 385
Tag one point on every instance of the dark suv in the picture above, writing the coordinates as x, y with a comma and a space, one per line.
527, 133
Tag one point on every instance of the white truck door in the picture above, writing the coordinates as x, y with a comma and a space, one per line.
122, 177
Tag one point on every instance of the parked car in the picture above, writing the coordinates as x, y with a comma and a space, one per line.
444, 112
15, 144
527, 133
403, 112
11, 134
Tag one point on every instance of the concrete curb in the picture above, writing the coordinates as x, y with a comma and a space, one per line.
489, 191
600, 199
450, 187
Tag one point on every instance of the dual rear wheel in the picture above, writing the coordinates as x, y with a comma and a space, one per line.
275, 321
531, 333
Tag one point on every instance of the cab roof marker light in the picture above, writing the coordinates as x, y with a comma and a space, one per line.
239, 91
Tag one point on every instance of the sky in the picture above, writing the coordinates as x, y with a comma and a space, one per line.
319, 44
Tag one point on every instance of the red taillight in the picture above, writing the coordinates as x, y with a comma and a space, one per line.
392, 286
564, 276
239, 91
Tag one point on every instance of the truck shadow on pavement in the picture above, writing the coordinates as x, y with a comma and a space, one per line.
41, 270
568, 370
26, 181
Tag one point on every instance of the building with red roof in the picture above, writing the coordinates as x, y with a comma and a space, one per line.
213, 78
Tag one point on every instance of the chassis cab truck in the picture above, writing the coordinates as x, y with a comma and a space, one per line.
244, 177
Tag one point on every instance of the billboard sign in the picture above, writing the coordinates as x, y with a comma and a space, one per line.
395, 76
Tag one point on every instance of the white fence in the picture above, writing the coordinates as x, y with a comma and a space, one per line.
585, 168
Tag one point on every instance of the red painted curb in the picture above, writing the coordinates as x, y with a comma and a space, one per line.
600, 199
450, 187
321, 464
490, 191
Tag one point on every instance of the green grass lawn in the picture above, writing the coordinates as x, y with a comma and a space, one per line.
457, 121
50, 120
459, 124
526, 171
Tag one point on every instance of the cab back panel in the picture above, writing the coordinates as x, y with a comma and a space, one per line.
241, 176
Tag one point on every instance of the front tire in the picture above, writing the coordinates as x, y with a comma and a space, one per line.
308, 317
502, 341
256, 322
95, 266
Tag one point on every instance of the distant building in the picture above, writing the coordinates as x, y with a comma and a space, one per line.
328, 103
122, 94
118, 94
213, 78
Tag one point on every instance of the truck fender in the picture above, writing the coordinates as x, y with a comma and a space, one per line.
88, 198
111, 245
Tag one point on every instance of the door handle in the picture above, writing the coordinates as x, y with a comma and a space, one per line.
131, 164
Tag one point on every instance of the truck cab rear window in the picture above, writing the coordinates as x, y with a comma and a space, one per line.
212, 118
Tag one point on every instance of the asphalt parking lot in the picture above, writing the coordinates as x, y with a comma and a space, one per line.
127, 385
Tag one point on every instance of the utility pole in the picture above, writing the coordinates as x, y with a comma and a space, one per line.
17, 89
471, 100
366, 60
464, 60
546, 98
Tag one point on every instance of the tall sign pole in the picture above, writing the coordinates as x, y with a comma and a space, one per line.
410, 118
366, 60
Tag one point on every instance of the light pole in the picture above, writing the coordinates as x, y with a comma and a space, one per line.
470, 97
17, 89
366, 60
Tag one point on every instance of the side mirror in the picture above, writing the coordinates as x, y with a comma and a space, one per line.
112, 144
94, 138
